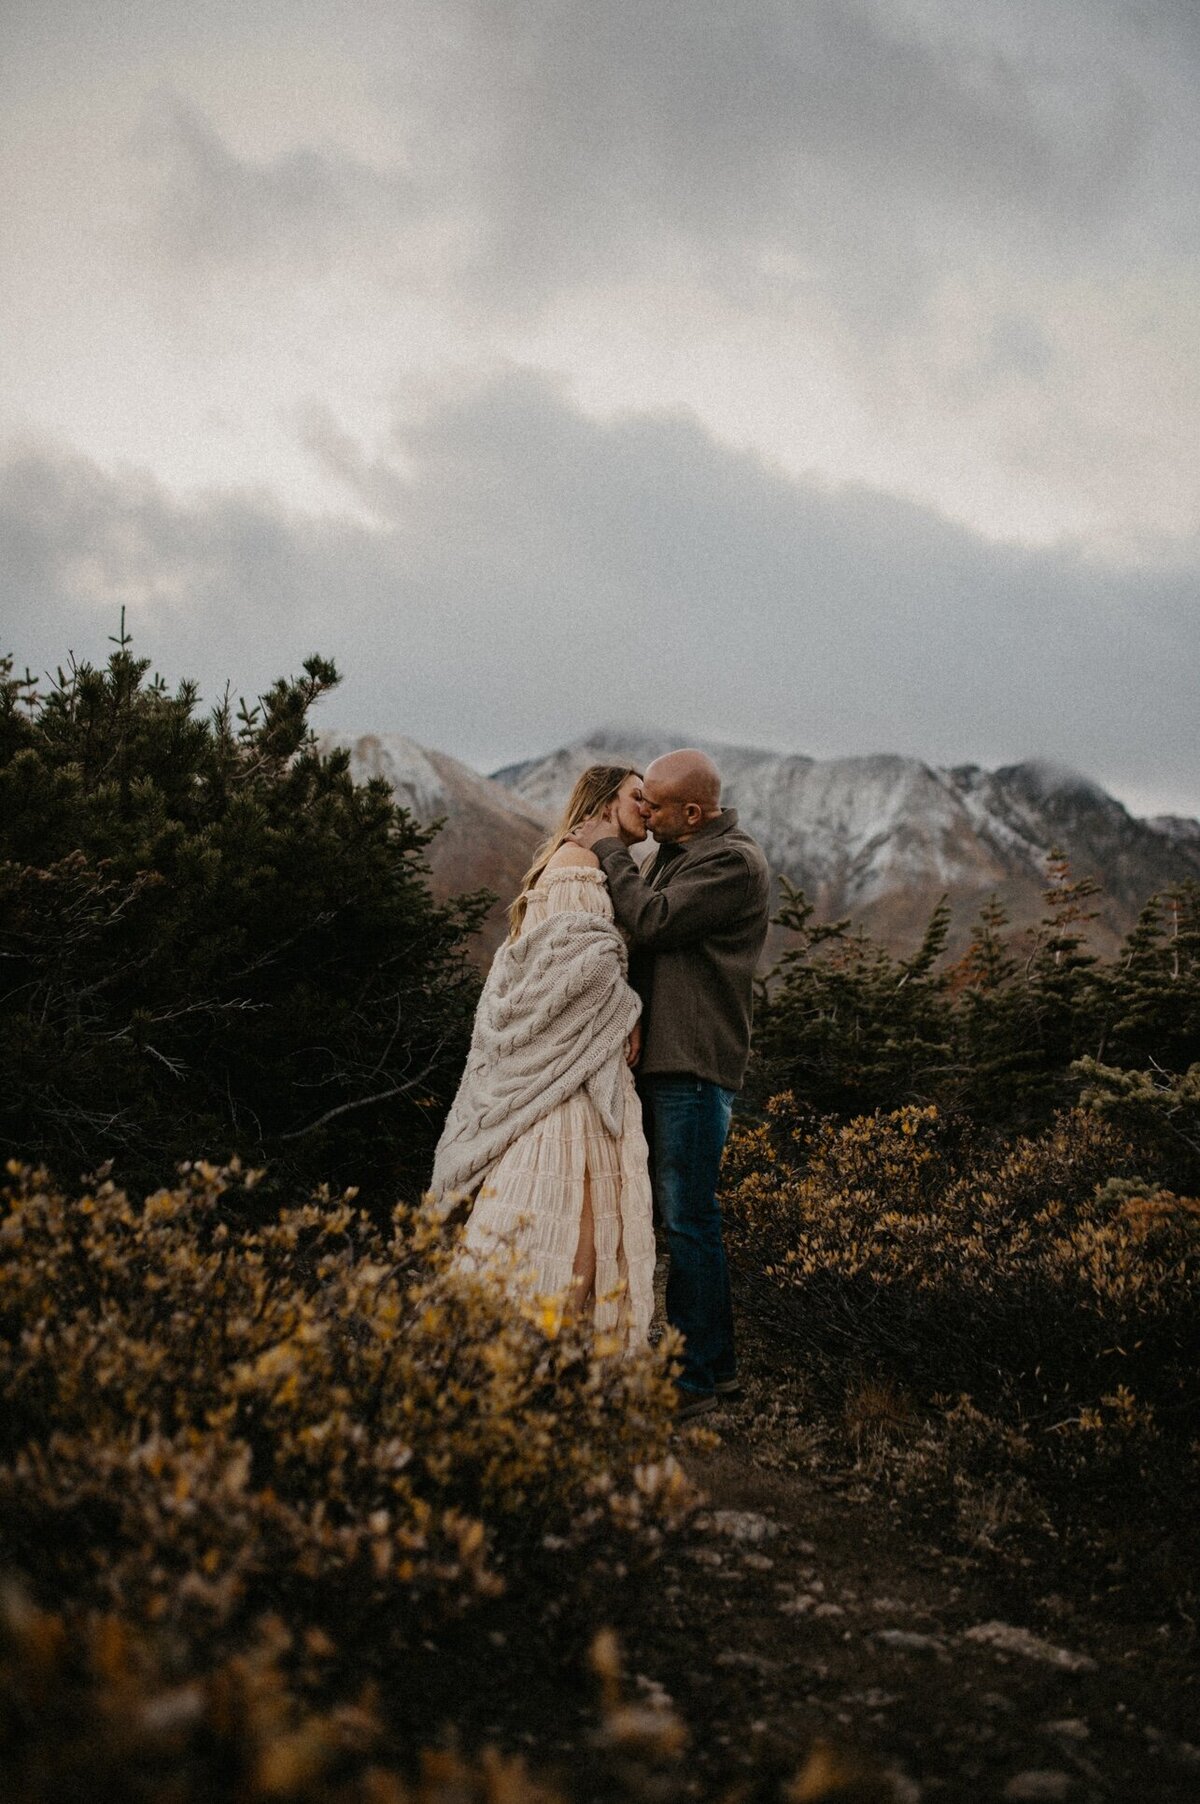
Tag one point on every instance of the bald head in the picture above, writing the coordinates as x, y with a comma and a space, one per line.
682, 790
687, 776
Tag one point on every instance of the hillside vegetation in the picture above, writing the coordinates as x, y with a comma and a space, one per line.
292, 1506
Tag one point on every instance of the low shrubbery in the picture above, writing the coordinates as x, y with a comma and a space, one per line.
204, 1424
1032, 1308
86, 1711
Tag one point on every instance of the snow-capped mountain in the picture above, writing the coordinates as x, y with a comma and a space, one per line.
881, 838
878, 838
489, 835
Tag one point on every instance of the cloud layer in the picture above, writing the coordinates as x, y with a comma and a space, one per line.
530, 571
823, 373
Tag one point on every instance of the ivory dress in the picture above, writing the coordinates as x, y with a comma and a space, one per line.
531, 1200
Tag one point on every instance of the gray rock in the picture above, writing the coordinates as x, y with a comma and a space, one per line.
1039, 1786
173, 1710
653, 1694
1007, 1639
1070, 1728
744, 1526
733, 1656
797, 1606
871, 1699
908, 1641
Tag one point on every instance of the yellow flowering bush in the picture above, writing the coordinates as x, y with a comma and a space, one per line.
202, 1419
1038, 1298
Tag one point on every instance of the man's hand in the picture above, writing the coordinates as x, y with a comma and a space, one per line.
600, 826
633, 1050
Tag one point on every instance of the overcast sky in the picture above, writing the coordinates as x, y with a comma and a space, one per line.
819, 374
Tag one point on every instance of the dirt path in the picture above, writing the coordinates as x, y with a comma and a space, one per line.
813, 1609
810, 1608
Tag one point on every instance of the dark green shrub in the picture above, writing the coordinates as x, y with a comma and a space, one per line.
213, 941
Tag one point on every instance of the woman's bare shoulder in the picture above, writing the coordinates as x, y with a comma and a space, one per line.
573, 855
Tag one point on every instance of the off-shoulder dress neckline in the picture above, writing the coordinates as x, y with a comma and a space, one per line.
577, 873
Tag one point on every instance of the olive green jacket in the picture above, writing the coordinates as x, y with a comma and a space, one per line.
697, 921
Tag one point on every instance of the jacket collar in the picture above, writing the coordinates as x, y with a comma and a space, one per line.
721, 824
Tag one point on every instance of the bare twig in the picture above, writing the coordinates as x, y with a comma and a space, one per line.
363, 1102
175, 1066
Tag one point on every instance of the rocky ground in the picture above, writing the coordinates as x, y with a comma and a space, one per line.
811, 1626
811, 1610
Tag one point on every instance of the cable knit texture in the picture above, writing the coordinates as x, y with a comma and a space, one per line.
547, 1104
554, 1017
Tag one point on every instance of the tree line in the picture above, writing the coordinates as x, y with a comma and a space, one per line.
1018, 1028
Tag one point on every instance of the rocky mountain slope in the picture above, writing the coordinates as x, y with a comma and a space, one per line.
877, 838
489, 835
881, 838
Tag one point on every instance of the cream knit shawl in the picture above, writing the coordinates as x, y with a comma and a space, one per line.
554, 1017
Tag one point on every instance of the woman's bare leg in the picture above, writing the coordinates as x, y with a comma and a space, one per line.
583, 1272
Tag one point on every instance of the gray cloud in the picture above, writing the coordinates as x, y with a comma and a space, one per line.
533, 571
838, 131
839, 148
209, 211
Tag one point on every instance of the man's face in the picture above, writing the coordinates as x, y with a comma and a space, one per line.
666, 817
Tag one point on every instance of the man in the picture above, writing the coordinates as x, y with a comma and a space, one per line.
697, 919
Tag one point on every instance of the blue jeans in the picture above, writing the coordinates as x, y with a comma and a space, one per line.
689, 1121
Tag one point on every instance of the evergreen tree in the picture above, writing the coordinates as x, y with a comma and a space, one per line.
993, 1065
213, 941
1001, 1038
1152, 991
1063, 992
846, 1027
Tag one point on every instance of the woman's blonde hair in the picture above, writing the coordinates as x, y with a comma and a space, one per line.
599, 785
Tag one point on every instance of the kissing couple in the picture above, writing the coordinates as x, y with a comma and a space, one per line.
609, 969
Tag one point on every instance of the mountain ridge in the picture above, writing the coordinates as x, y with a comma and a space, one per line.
881, 837
488, 837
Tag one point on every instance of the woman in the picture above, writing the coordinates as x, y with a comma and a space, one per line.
546, 1128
